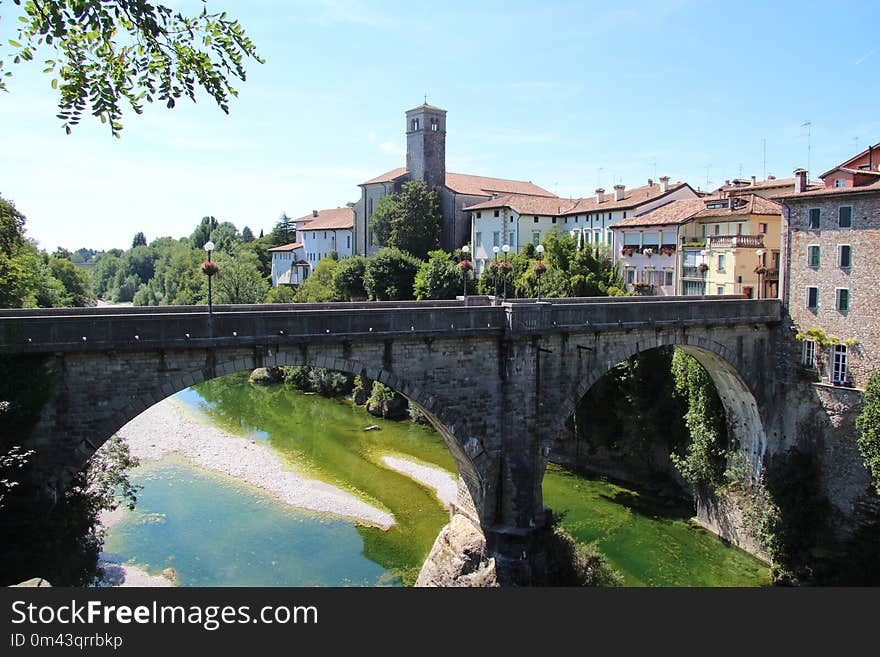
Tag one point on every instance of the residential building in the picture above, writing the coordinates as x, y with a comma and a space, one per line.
426, 160
831, 237
520, 220
324, 231
289, 266
647, 248
732, 246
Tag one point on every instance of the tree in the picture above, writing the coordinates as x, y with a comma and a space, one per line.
112, 52
25, 280
348, 282
868, 426
390, 275
283, 232
75, 281
281, 294
239, 279
247, 235
409, 221
202, 233
139, 240
439, 278
318, 287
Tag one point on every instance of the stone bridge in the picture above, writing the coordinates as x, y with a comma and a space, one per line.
497, 380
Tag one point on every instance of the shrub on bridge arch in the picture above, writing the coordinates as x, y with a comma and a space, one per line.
868, 425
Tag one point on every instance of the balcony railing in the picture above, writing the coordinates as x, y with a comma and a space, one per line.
771, 275
693, 272
736, 241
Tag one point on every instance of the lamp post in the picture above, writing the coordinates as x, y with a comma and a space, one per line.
539, 268
210, 268
465, 264
760, 271
505, 249
495, 250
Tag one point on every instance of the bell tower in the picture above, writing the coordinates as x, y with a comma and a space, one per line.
426, 145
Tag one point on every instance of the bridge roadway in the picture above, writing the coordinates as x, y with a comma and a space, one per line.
185, 327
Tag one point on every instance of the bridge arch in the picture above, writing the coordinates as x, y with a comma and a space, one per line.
471, 477
739, 398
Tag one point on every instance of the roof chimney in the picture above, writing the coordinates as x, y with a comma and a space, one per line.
800, 180
650, 182
664, 184
727, 183
600, 195
618, 192
314, 213
754, 181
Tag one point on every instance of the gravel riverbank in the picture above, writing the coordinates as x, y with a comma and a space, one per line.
443, 483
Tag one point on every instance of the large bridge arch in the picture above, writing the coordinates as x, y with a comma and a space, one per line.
738, 394
442, 418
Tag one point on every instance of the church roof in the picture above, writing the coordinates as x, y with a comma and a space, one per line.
425, 106
462, 183
333, 219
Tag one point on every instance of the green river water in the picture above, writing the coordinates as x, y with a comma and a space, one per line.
216, 531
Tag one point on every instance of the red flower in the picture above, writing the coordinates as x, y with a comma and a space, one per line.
506, 266
540, 267
209, 267
465, 265
495, 265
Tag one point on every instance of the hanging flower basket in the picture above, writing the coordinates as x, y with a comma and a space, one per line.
667, 250
703, 267
760, 270
209, 267
628, 250
495, 265
540, 268
506, 267
465, 265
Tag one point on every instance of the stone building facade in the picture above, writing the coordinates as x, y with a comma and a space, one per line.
831, 238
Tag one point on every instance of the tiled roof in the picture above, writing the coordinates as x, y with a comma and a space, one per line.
770, 183
293, 246
830, 191
755, 205
631, 198
855, 158
673, 213
462, 183
337, 218
526, 204
388, 176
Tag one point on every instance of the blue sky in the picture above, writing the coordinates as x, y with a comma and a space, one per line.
564, 94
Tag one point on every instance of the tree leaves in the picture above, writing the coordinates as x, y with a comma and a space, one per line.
113, 53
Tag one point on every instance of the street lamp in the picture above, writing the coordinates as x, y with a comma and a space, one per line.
760, 270
465, 265
539, 268
209, 268
504, 265
495, 250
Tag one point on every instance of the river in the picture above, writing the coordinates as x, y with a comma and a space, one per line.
215, 530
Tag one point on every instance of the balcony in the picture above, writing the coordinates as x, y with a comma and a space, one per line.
693, 272
735, 241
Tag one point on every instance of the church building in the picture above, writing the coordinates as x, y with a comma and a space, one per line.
426, 160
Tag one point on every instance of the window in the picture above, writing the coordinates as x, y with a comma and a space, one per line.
813, 298
668, 277
511, 219
762, 229
843, 299
844, 256
844, 216
435, 125
630, 275
809, 354
839, 364
720, 290
813, 255
348, 241
553, 220
721, 262
496, 238
839, 182
536, 237
814, 218
536, 220
415, 124
717, 229
497, 213
479, 239
624, 215
479, 214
